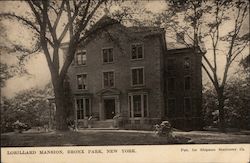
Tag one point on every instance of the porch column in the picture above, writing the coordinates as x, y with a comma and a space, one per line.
101, 112
118, 105
75, 111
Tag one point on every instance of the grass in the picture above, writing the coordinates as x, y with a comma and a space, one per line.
124, 137
208, 137
85, 138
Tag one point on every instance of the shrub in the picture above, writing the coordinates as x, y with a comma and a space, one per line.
20, 126
164, 129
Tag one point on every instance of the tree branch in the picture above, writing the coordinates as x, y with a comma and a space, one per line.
36, 13
84, 22
52, 31
24, 20
208, 74
69, 18
235, 54
59, 15
70, 22
75, 39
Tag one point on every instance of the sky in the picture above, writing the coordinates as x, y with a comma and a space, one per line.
37, 66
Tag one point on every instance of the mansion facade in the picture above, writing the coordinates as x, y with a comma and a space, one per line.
131, 76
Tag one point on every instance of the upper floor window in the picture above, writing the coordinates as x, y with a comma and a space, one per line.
187, 83
137, 51
82, 81
137, 76
81, 58
187, 63
107, 55
171, 64
171, 84
108, 79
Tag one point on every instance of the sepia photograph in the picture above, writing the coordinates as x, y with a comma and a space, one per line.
81, 76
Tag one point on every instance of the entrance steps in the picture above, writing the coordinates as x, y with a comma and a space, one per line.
105, 124
102, 129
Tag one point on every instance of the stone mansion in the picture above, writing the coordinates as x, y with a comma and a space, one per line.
132, 76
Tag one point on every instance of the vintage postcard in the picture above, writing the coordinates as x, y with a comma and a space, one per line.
125, 81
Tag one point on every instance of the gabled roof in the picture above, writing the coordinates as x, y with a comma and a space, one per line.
134, 31
176, 45
146, 29
106, 22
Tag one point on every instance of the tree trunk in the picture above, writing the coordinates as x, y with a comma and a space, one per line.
221, 101
61, 110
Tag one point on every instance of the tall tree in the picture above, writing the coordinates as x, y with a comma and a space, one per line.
203, 20
51, 21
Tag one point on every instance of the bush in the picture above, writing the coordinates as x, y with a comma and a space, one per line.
164, 129
19, 126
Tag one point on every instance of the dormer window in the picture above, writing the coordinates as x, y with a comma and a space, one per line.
136, 51
81, 58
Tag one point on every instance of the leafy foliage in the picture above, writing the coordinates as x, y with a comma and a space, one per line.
237, 102
164, 129
52, 22
204, 21
20, 126
30, 107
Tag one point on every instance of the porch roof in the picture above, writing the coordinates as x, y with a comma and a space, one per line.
109, 91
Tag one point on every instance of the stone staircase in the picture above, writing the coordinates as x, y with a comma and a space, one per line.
109, 124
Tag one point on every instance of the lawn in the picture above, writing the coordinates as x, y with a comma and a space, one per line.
86, 138
211, 137
118, 137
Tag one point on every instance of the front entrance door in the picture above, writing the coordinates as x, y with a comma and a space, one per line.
109, 106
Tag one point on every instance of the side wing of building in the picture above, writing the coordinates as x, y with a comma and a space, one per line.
183, 88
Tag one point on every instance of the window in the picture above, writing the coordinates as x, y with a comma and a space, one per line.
108, 79
107, 55
81, 58
137, 76
187, 105
171, 64
171, 84
187, 63
83, 108
187, 83
138, 105
145, 105
171, 107
82, 81
137, 51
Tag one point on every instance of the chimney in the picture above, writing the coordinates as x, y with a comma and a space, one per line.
180, 37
